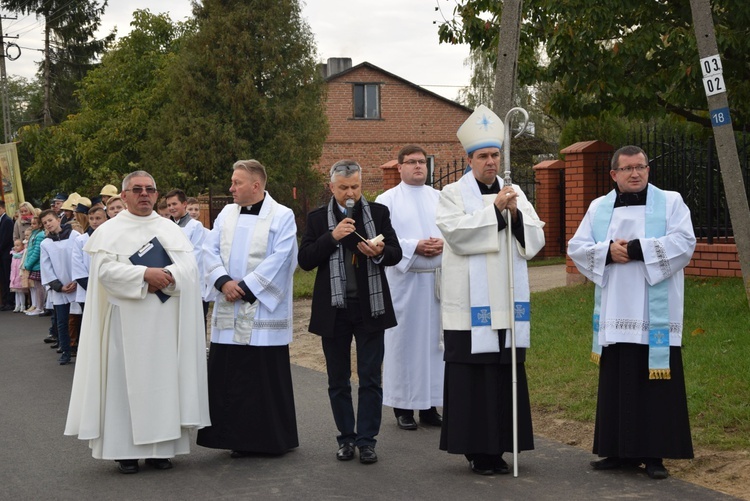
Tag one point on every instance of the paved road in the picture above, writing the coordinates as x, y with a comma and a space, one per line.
38, 462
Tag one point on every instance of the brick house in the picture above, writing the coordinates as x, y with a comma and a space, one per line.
372, 114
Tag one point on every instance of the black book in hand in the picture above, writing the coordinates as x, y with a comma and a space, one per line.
153, 255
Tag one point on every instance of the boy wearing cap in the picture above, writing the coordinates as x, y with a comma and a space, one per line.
476, 313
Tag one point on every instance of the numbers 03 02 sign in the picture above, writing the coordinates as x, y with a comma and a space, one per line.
711, 65
714, 84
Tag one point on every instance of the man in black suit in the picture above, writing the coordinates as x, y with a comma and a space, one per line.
351, 298
6, 244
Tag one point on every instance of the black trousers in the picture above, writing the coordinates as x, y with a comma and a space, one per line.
370, 349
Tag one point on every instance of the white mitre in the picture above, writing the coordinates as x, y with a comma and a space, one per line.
483, 129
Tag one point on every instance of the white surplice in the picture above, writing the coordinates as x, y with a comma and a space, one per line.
413, 364
54, 264
624, 304
80, 262
468, 234
270, 281
140, 381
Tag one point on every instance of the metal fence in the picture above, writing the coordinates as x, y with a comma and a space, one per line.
452, 172
689, 166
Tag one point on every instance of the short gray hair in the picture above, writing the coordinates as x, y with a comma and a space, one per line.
346, 168
138, 173
253, 167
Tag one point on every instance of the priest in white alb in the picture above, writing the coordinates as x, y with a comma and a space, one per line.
633, 244
140, 378
249, 260
413, 362
476, 309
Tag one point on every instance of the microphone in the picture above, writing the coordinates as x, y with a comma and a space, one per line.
350, 208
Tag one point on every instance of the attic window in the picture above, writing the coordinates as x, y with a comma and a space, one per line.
366, 101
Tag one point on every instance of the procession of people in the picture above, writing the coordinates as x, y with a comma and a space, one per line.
431, 286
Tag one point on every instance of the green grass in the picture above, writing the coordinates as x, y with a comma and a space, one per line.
303, 283
549, 261
716, 355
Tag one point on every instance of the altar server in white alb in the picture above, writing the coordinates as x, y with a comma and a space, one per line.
55, 263
250, 256
140, 379
633, 244
476, 310
413, 362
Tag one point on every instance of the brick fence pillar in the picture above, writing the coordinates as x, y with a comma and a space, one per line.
548, 207
391, 176
581, 163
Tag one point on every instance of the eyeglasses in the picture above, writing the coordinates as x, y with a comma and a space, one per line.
637, 168
137, 190
414, 162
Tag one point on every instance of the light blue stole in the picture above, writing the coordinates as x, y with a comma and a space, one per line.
658, 295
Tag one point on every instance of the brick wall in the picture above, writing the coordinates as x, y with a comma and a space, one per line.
581, 159
408, 115
716, 260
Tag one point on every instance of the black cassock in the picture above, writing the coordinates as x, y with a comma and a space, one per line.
638, 417
250, 399
478, 399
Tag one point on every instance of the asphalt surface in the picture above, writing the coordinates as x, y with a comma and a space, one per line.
38, 462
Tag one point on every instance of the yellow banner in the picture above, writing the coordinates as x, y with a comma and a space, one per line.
10, 171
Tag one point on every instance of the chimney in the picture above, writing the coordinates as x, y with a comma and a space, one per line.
337, 65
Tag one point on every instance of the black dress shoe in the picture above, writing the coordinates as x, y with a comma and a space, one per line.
240, 454
481, 469
406, 422
345, 452
127, 466
610, 463
50, 340
655, 469
431, 418
500, 466
159, 463
55, 346
367, 454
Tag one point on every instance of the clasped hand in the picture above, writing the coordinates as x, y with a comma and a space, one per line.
507, 198
430, 247
232, 291
619, 251
157, 279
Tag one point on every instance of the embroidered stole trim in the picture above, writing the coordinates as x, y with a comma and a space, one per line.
483, 337
244, 319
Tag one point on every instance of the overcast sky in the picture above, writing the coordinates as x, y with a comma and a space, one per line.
396, 35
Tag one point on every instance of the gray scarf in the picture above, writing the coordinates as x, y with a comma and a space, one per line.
338, 273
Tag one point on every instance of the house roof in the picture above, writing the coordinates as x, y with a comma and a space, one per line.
371, 66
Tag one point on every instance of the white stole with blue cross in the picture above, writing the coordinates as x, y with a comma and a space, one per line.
484, 339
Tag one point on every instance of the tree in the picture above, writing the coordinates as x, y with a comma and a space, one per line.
637, 57
70, 48
101, 143
24, 98
482, 82
244, 86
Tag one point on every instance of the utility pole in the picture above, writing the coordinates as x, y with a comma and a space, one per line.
507, 58
726, 146
4, 84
